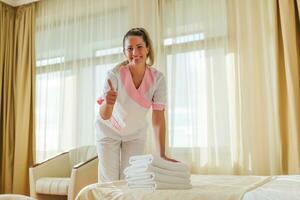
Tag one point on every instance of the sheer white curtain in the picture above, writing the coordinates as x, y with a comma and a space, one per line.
223, 88
253, 42
76, 43
219, 58
201, 84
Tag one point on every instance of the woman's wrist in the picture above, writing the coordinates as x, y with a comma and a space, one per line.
163, 155
106, 111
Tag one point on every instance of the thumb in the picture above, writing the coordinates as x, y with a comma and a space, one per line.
110, 85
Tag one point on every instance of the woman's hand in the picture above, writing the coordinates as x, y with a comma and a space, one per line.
110, 99
111, 95
168, 159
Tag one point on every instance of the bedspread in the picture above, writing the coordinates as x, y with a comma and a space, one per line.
205, 187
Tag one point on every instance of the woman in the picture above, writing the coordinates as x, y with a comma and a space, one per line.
132, 88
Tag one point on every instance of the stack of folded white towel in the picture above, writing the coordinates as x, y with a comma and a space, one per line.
152, 172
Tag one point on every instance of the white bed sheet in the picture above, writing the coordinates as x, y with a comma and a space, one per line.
278, 188
204, 188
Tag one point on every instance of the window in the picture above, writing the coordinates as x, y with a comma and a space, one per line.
184, 120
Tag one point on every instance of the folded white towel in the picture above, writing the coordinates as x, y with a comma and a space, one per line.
147, 176
157, 162
155, 176
153, 185
133, 169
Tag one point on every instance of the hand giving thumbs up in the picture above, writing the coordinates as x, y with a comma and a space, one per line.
111, 95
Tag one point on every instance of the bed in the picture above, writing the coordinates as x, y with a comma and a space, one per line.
205, 187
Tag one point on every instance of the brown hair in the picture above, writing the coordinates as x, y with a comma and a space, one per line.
141, 32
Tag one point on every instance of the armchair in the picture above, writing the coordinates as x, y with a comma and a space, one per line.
64, 175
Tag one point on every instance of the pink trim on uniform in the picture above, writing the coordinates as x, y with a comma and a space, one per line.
147, 82
130, 88
156, 106
100, 101
115, 123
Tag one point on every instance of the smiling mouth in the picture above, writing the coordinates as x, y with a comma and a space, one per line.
136, 58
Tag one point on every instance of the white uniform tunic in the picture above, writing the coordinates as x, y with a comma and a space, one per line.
124, 134
128, 119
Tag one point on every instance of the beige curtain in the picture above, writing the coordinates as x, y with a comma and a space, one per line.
24, 95
264, 47
17, 115
7, 18
288, 58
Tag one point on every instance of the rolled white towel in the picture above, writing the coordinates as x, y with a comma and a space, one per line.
153, 185
133, 169
157, 162
155, 176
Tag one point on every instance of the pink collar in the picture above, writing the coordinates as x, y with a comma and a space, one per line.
137, 94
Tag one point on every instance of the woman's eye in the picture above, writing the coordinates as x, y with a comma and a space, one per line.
129, 48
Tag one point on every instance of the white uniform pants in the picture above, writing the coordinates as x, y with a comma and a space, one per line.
113, 156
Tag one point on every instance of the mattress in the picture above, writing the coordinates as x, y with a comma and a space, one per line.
205, 187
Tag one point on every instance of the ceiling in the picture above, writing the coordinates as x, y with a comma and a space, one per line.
17, 2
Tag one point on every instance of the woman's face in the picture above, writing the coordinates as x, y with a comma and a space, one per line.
136, 50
